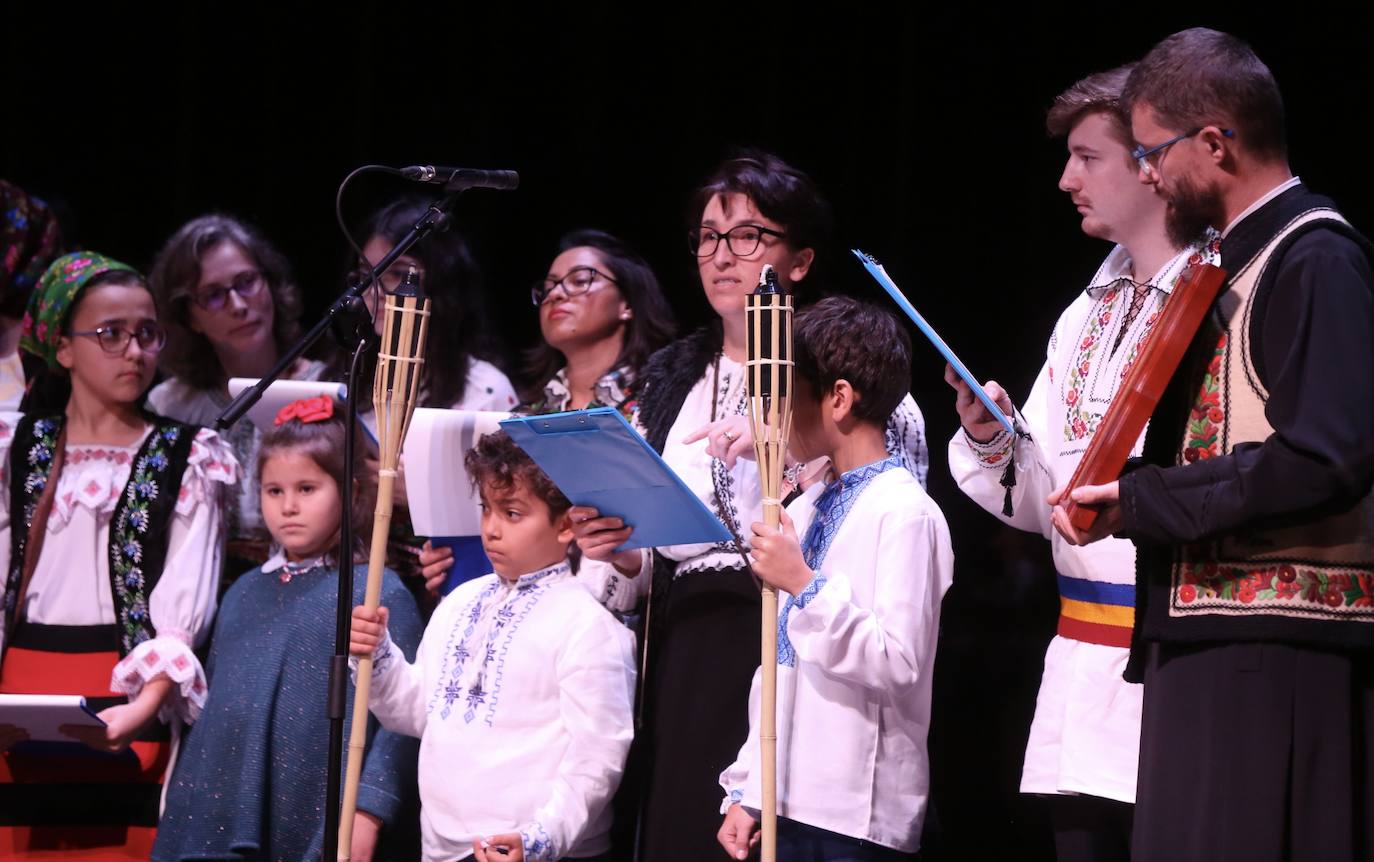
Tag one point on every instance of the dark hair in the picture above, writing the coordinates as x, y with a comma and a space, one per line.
50, 388
323, 442
1202, 77
495, 460
454, 285
648, 329
176, 272
1099, 93
779, 191
842, 338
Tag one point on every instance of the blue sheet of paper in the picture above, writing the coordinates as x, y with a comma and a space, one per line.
598, 460
876, 270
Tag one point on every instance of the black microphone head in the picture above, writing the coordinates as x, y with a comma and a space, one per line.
471, 178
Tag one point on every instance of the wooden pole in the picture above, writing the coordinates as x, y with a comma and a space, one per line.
394, 394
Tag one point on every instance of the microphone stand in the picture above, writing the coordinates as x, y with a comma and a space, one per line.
343, 314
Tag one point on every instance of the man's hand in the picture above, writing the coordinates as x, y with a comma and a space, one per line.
598, 538
369, 628
978, 423
727, 439
739, 833
435, 564
777, 557
1105, 498
507, 847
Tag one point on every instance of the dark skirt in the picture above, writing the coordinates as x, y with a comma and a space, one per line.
703, 651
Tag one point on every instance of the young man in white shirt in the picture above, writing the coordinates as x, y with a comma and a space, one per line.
522, 689
1082, 752
858, 626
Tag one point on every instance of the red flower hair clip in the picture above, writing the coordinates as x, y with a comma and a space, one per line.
315, 409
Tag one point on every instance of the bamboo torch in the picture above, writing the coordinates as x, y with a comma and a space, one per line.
394, 394
768, 321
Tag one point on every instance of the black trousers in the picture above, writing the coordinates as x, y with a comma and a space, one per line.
1256, 752
1090, 828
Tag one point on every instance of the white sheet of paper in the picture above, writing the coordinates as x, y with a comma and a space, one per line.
281, 393
441, 499
41, 714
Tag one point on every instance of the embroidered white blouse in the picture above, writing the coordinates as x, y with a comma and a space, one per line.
733, 495
71, 583
1085, 737
524, 692
856, 656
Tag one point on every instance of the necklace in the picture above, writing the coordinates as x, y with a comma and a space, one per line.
290, 570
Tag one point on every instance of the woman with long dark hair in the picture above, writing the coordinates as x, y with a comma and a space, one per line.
601, 314
457, 374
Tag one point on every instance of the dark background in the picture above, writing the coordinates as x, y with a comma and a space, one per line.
924, 127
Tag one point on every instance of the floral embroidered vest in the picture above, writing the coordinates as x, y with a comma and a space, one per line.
1322, 570
138, 527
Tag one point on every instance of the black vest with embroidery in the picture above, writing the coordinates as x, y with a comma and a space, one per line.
1274, 583
139, 526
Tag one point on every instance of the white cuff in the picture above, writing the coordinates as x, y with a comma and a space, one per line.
383, 657
992, 454
169, 656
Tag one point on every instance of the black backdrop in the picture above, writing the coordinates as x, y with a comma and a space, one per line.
924, 126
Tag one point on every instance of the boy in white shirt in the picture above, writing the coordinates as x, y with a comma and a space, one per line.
522, 689
858, 624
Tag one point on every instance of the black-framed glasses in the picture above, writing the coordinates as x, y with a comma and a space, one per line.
742, 240
216, 298
1149, 160
115, 339
575, 282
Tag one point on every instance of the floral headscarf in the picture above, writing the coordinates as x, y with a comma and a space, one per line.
29, 240
50, 303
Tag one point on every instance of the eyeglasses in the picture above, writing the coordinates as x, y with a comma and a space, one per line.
576, 282
115, 339
1149, 160
742, 240
216, 298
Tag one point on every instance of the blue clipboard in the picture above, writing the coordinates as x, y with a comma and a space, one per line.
880, 275
598, 460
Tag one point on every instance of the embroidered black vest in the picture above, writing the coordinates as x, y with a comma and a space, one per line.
139, 527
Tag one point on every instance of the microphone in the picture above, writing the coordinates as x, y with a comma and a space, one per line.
458, 179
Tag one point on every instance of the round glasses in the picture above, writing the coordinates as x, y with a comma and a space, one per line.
216, 297
742, 240
576, 282
115, 339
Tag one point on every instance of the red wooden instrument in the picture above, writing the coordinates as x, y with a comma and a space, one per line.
1155, 363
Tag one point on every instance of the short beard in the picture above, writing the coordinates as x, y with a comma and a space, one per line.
1192, 209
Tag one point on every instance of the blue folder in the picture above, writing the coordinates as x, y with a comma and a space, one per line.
596, 459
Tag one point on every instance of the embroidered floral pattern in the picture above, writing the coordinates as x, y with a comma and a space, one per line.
613, 389
1079, 423
127, 537
460, 681
1283, 587
1206, 417
832, 507
39, 458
